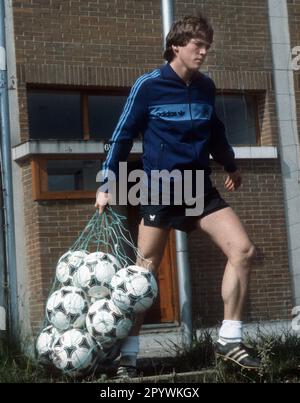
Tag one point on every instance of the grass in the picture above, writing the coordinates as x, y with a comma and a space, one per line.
279, 354
15, 367
280, 358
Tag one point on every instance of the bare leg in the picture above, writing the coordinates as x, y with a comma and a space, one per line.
151, 245
226, 230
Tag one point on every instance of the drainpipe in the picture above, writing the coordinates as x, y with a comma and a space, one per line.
288, 132
7, 191
183, 267
2, 268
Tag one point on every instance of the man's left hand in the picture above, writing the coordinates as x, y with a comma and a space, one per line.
233, 181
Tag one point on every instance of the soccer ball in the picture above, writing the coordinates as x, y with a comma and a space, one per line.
67, 308
106, 323
74, 352
68, 264
44, 344
134, 288
95, 275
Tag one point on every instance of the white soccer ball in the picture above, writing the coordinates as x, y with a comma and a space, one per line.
66, 308
68, 264
74, 352
106, 323
44, 344
95, 275
134, 289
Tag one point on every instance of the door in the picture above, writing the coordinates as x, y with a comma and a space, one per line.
166, 306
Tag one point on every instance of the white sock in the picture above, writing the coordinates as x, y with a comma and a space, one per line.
231, 332
129, 350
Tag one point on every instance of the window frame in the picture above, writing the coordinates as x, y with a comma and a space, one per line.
40, 178
40, 190
255, 94
84, 94
124, 91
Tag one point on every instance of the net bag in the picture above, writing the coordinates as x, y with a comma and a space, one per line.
100, 283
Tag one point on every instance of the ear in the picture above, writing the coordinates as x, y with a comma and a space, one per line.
175, 49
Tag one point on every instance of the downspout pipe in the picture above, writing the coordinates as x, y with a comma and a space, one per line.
2, 269
7, 190
183, 267
167, 7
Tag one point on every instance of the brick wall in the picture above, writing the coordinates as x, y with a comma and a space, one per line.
242, 36
102, 43
110, 43
259, 205
51, 229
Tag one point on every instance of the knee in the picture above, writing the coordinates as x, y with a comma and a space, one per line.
250, 252
243, 255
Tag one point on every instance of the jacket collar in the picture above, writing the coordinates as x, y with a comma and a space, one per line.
169, 73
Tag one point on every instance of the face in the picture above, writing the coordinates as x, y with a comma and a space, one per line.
192, 55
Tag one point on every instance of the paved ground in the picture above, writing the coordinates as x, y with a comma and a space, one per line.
158, 346
162, 342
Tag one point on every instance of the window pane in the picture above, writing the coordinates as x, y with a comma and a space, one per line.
237, 112
54, 115
66, 175
104, 113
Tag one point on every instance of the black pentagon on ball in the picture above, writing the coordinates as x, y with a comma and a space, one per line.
84, 343
91, 316
58, 343
73, 316
122, 286
117, 317
70, 350
65, 292
60, 308
69, 366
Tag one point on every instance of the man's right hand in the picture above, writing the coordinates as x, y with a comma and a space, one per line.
102, 199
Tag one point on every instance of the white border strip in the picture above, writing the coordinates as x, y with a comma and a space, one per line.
263, 152
2, 318
2, 58
24, 150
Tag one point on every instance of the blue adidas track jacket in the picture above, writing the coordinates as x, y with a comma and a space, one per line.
178, 122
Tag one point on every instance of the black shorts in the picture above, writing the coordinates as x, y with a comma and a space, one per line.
174, 216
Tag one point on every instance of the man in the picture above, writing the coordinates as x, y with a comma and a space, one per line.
173, 107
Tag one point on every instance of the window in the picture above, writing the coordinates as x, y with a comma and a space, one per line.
62, 178
104, 113
238, 112
74, 114
54, 115
72, 175
93, 114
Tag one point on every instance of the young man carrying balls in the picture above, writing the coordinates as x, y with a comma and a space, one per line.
174, 109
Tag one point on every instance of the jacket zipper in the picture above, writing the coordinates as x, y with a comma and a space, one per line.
160, 154
190, 106
192, 121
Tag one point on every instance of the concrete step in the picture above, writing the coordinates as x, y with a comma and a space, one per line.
204, 376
